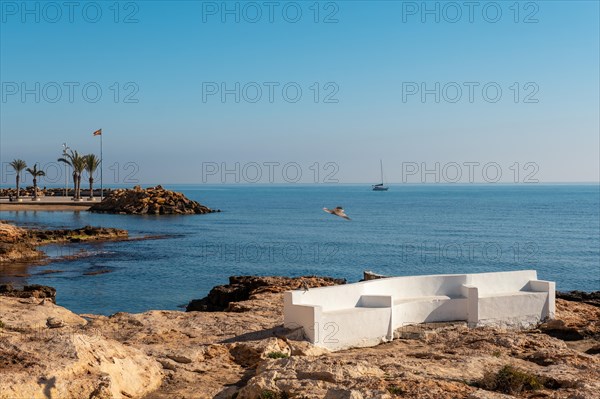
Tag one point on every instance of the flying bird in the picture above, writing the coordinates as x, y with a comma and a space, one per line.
338, 211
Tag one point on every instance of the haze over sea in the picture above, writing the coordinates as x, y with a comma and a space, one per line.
282, 230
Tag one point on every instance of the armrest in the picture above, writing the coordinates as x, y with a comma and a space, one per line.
541, 285
306, 316
471, 292
375, 301
550, 288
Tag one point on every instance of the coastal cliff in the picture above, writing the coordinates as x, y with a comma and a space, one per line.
245, 353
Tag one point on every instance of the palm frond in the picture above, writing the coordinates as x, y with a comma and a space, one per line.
35, 172
18, 165
91, 163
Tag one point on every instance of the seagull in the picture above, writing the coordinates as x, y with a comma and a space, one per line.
338, 211
304, 286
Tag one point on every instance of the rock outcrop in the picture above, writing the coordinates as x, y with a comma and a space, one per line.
152, 200
29, 291
87, 233
242, 288
18, 244
592, 298
15, 245
245, 353
46, 352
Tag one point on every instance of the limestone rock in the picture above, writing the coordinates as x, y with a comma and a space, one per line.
592, 298
30, 313
14, 246
241, 288
172, 354
17, 244
304, 348
54, 322
328, 378
66, 362
29, 291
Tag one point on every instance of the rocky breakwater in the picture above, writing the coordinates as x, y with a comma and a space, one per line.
24, 192
49, 192
152, 200
18, 244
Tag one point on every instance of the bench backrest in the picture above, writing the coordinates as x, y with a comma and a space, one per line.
330, 298
501, 282
418, 286
348, 295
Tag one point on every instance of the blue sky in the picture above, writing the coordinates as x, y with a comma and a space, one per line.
356, 76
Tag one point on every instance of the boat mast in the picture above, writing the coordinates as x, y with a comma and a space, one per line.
381, 165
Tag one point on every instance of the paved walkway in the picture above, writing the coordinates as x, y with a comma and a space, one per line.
46, 204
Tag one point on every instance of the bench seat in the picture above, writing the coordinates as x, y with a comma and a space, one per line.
431, 298
514, 293
351, 310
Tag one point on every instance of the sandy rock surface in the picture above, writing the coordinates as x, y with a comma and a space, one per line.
13, 244
245, 353
46, 351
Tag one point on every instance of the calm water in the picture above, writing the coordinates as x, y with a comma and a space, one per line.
281, 230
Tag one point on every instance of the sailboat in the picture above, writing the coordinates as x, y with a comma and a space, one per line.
380, 187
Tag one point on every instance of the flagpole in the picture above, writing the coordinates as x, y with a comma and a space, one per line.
101, 164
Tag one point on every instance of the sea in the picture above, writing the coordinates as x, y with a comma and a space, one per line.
283, 230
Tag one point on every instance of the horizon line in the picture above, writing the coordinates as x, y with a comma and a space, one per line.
153, 184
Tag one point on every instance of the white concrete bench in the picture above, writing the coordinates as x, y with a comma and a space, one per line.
368, 313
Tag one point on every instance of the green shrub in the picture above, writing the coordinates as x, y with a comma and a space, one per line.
277, 355
510, 380
394, 390
266, 394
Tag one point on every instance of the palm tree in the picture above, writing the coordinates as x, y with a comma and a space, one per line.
18, 165
91, 164
68, 159
75, 161
35, 173
79, 167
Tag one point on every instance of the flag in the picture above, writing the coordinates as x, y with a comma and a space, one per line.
98, 132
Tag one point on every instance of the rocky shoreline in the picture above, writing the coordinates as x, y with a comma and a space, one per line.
227, 298
21, 245
244, 352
